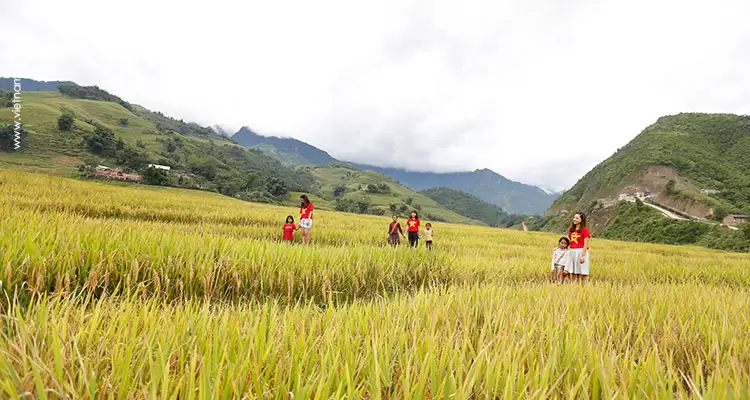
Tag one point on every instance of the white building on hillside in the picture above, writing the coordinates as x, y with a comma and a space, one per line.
157, 166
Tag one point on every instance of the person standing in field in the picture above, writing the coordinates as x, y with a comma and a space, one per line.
579, 236
289, 229
560, 260
412, 228
394, 229
428, 235
305, 217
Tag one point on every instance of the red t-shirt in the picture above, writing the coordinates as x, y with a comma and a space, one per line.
306, 212
289, 231
577, 238
412, 224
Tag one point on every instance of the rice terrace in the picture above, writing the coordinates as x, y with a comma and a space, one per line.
134, 291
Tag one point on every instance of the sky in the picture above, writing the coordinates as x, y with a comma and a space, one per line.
539, 91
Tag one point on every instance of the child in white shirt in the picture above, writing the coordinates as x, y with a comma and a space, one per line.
428, 236
560, 260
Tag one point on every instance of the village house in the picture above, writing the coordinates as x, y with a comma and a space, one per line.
157, 166
103, 171
736, 219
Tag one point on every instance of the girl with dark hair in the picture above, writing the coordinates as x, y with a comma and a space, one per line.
560, 260
412, 229
394, 229
579, 236
289, 229
305, 217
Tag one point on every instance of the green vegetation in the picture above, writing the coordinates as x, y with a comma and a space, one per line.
86, 125
711, 150
92, 93
640, 223
472, 207
154, 176
6, 99
708, 151
65, 121
7, 137
367, 192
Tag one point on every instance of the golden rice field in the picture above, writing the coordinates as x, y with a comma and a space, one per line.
112, 291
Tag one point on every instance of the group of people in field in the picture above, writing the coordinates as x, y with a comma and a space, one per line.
570, 259
305, 221
394, 229
412, 229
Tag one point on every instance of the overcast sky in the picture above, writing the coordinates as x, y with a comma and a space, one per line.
538, 90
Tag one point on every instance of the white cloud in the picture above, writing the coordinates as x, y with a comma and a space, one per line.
539, 91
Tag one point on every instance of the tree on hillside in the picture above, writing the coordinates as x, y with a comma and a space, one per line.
131, 158
277, 187
339, 190
101, 141
252, 181
65, 121
155, 176
745, 228
7, 137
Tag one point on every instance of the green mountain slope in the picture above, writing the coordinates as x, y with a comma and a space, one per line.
488, 185
353, 190
695, 164
472, 207
287, 150
116, 133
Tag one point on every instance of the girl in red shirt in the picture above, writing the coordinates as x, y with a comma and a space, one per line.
579, 236
305, 217
289, 229
412, 227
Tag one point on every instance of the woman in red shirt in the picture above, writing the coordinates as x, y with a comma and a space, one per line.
579, 236
412, 227
305, 217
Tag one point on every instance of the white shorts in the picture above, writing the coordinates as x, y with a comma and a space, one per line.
305, 223
574, 265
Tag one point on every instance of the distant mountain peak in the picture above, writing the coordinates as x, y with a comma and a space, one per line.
288, 150
31, 84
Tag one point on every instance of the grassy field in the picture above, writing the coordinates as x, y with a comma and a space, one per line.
147, 292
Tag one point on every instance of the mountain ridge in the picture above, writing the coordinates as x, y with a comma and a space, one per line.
513, 197
31, 84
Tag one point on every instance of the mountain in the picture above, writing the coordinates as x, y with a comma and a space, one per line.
287, 150
103, 129
351, 189
220, 130
514, 197
472, 207
690, 166
31, 85
511, 196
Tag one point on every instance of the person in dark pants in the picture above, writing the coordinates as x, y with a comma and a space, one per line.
412, 225
428, 235
394, 229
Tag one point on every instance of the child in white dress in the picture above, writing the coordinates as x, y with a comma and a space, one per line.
560, 260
